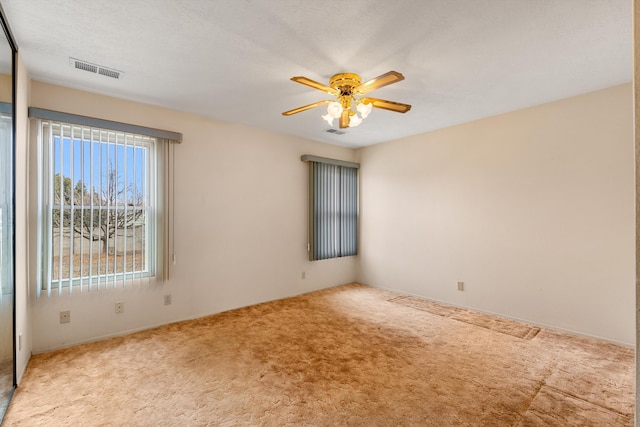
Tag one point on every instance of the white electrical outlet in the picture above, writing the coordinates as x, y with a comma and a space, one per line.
461, 286
65, 317
119, 307
167, 299
303, 275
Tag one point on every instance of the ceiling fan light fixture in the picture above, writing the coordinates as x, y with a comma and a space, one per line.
354, 120
328, 118
334, 109
364, 109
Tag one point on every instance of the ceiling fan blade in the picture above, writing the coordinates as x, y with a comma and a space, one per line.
378, 82
314, 84
306, 107
344, 119
398, 107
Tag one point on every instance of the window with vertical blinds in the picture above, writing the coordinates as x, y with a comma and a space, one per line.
103, 207
333, 208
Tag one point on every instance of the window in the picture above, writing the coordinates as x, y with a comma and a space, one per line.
333, 210
99, 202
105, 202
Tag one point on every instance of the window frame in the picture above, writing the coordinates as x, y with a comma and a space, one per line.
48, 205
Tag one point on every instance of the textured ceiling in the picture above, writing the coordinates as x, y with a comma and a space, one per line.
232, 59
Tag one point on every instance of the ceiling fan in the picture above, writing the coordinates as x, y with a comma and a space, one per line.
348, 106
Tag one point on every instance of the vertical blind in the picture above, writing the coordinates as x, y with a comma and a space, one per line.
98, 198
106, 203
333, 210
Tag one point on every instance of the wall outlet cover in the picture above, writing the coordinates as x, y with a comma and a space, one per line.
65, 317
119, 307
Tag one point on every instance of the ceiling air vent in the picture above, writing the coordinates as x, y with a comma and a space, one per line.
336, 131
94, 68
86, 67
109, 73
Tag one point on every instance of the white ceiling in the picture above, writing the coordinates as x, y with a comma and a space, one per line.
232, 59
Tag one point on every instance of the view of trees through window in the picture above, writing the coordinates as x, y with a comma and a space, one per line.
99, 205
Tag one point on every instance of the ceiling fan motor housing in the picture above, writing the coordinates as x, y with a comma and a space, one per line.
345, 83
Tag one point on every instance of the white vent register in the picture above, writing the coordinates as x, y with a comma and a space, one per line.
95, 68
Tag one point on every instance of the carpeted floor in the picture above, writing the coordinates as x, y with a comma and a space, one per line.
346, 356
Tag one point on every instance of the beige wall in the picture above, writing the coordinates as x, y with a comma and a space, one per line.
23, 314
533, 210
240, 224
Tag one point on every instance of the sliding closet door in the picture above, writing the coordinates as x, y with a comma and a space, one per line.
7, 210
6, 261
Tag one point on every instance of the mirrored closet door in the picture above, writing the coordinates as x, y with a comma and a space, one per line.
7, 210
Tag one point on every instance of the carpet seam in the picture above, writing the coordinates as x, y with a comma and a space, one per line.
522, 413
566, 393
532, 332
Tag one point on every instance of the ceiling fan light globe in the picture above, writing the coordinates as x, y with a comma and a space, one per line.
354, 120
364, 109
334, 109
328, 119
